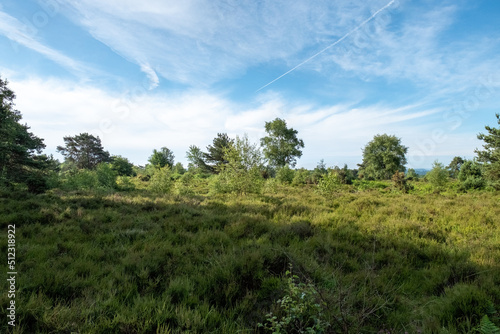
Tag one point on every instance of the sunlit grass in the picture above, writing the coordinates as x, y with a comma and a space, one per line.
194, 262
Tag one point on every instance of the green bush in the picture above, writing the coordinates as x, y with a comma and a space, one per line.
285, 174
470, 168
243, 171
438, 176
161, 181
106, 176
124, 183
473, 182
185, 184
299, 311
330, 183
82, 179
302, 176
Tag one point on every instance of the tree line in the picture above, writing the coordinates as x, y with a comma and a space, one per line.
238, 164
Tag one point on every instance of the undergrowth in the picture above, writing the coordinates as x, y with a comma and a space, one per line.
189, 261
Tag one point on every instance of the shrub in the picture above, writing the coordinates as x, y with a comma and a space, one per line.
411, 174
344, 174
285, 174
37, 183
161, 181
243, 171
185, 184
106, 176
319, 172
400, 182
470, 168
82, 179
473, 182
300, 310
330, 183
302, 176
124, 183
438, 176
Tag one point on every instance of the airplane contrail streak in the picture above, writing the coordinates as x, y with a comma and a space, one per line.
331, 45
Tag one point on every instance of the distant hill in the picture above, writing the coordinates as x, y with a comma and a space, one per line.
421, 171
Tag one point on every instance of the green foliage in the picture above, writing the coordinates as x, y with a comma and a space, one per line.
411, 174
122, 166
161, 181
124, 183
106, 176
400, 182
185, 185
454, 166
488, 327
438, 175
382, 157
330, 184
490, 155
163, 157
84, 151
319, 171
215, 157
471, 176
102, 178
242, 172
285, 174
196, 160
135, 262
82, 179
302, 176
345, 175
20, 159
300, 310
470, 168
281, 146
178, 169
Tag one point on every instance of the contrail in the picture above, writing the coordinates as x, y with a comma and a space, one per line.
331, 45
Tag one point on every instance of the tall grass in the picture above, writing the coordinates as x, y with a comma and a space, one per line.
192, 262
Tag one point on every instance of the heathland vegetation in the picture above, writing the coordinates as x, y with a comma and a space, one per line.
240, 241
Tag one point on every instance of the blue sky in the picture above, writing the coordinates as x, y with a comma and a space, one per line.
146, 74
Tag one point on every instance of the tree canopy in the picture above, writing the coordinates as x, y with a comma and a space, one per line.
490, 155
122, 166
84, 151
215, 155
196, 159
163, 157
455, 165
382, 157
281, 146
20, 150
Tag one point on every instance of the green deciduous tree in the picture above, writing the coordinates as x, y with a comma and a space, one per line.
122, 166
20, 159
161, 158
84, 151
490, 155
382, 157
281, 146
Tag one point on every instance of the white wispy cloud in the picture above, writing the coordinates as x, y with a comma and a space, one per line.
20, 33
55, 109
154, 81
199, 42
